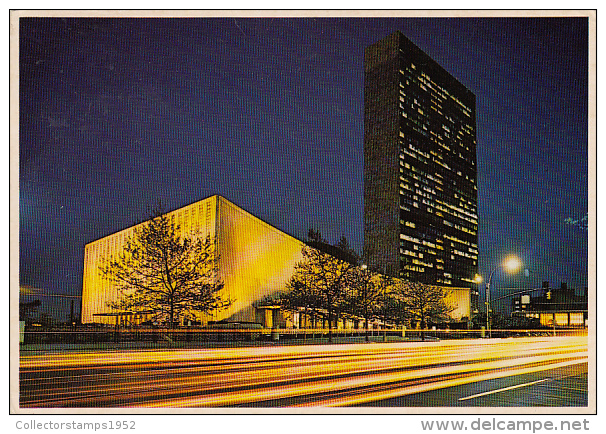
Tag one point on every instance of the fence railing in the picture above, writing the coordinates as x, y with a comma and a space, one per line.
261, 336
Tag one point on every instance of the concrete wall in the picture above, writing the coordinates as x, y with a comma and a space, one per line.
97, 291
255, 259
459, 298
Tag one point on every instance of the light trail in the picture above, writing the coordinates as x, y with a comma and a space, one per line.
278, 371
402, 391
315, 375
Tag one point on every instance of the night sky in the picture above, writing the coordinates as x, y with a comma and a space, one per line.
118, 114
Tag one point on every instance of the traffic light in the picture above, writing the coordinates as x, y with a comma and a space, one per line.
547, 290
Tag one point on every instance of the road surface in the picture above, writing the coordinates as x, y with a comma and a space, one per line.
377, 374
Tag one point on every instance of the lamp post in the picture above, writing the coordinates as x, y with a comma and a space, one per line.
384, 284
385, 304
477, 280
510, 264
364, 267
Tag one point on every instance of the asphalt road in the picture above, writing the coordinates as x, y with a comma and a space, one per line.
561, 387
427, 374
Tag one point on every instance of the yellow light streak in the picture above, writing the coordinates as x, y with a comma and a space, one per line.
241, 376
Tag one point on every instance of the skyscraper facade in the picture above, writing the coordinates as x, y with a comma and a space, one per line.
420, 182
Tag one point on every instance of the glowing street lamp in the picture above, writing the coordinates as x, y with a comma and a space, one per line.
510, 264
477, 280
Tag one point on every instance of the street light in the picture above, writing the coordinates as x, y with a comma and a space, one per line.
384, 305
510, 264
364, 267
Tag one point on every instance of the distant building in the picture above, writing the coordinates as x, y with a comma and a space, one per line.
420, 192
560, 307
255, 261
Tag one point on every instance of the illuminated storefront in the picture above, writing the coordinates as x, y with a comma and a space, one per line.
559, 307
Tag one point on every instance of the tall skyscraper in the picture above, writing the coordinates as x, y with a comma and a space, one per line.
420, 192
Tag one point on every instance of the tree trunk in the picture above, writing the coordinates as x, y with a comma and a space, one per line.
330, 326
171, 334
423, 326
305, 325
366, 324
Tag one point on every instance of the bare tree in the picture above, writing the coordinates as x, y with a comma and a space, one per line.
396, 309
300, 295
163, 273
423, 302
366, 294
325, 276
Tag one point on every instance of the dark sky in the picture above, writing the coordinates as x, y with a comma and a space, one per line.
116, 114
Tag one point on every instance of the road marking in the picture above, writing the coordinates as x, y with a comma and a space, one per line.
517, 386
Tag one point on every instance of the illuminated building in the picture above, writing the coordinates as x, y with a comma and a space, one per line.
420, 193
255, 261
560, 307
